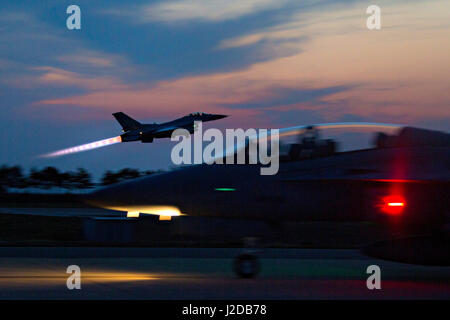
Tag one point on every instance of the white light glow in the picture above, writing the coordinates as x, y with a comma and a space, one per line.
135, 211
133, 214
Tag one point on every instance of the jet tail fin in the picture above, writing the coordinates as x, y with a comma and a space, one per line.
126, 122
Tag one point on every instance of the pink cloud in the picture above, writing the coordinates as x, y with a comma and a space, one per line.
61, 77
399, 72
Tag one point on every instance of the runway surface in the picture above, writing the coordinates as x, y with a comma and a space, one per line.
205, 273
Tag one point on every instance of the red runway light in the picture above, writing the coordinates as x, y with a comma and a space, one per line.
393, 204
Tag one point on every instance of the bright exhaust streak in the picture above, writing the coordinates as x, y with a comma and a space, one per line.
84, 147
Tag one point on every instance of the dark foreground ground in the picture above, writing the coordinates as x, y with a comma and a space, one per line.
206, 273
69, 226
149, 259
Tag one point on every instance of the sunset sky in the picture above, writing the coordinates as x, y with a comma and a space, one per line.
266, 63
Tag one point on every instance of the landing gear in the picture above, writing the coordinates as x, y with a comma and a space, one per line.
147, 139
246, 265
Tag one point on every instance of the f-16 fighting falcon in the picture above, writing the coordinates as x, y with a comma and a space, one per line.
136, 131
403, 182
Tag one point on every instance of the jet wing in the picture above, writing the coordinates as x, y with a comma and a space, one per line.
363, 175
165, 130
404, 165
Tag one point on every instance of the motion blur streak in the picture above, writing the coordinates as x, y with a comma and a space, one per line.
42, 276
336, 125
283, 132
290, 131
84, 147
134, 211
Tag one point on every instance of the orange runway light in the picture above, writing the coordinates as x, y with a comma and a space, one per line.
135, 210
133, 214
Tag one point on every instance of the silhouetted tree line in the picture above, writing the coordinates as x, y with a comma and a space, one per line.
13, 177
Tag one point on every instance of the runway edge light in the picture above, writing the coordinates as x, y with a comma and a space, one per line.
393, 204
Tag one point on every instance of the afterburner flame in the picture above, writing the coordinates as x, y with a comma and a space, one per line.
84, 147
134, 210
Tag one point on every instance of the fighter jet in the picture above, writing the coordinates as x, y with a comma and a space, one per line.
403, 182
136, 131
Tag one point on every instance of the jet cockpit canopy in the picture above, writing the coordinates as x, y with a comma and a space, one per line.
196, 114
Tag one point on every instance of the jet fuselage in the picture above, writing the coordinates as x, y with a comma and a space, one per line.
148, 132
348, 186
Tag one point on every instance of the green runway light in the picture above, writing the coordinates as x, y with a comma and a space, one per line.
225, 189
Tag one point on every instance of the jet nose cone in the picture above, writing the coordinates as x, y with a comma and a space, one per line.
219, 116
105, 197
93, 198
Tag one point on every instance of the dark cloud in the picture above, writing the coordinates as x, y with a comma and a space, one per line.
284, 97
116, 48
